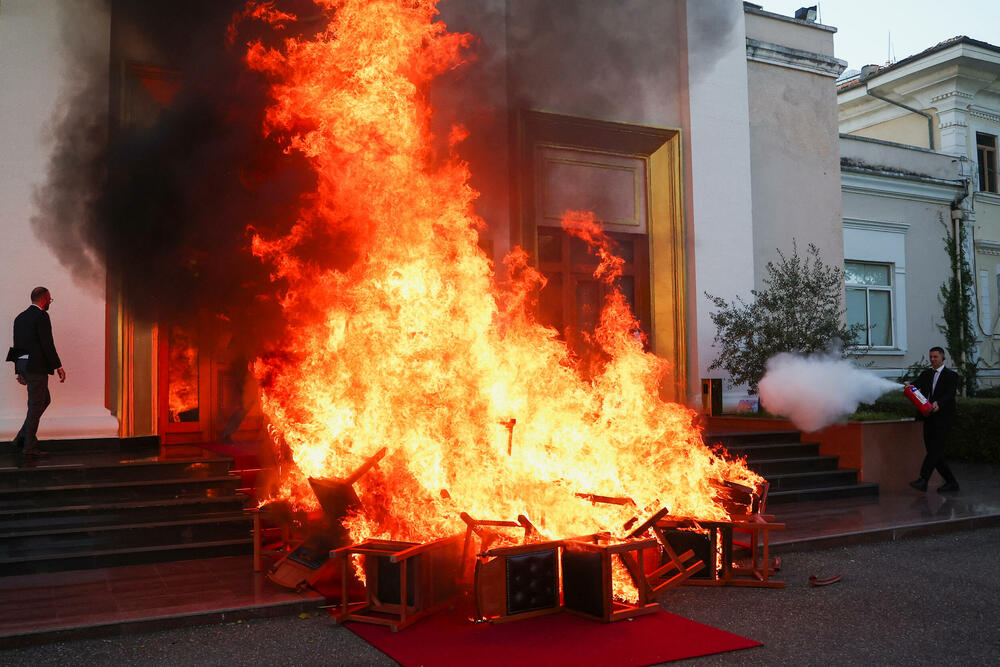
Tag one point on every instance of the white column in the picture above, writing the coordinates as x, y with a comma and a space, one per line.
722, 224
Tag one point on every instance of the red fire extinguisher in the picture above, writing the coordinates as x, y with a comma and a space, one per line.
918, 400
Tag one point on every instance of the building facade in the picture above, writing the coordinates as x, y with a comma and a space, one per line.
946, 101
897, 207
651, 104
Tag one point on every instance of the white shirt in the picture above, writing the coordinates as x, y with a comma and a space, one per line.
937, 374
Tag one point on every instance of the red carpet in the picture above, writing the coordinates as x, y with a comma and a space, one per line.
560, 639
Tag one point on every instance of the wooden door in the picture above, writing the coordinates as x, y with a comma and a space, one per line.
572, 298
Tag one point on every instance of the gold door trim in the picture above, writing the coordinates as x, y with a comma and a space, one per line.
661, 148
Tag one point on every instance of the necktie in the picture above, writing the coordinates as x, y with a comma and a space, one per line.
937, 374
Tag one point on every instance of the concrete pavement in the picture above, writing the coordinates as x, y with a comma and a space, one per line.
922, 601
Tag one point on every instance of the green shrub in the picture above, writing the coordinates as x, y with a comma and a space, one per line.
894, 404
991, 392
800, 309
976, 436
957, 300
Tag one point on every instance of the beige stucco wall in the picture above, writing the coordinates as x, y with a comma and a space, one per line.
802, 35
796, 158
908, 129
32, 75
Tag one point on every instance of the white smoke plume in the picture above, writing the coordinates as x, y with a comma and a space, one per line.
816, 391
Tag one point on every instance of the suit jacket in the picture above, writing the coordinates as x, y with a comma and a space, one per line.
33, 336
944, 393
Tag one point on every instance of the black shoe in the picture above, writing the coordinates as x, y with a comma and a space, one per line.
919, 484
948, 488
34, 453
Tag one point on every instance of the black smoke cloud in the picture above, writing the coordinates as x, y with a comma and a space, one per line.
626, 51
157, 197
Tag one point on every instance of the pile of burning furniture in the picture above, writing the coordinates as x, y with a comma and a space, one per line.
506, 570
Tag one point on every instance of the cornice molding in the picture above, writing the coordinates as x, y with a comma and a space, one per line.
898, 187
988, 248
783, 56
987, 197
876, 225
985, 114
952, 93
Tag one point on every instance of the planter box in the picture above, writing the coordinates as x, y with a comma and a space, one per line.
886, 452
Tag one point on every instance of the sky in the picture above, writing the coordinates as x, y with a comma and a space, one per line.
864, 26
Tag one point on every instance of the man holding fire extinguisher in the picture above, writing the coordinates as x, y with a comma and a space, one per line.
939, 384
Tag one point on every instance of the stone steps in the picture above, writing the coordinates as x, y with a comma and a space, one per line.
795, 470
105, 502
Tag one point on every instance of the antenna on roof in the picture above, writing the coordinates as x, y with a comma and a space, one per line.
890, 56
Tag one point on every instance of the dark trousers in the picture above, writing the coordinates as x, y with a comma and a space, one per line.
935, 438
38, 400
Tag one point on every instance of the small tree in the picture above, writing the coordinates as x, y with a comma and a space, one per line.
956, 301
799, 310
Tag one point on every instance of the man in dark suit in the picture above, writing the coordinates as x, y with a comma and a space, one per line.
35, 359
940, 385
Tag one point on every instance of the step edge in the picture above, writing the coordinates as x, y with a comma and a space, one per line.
129, 550
817, 457
814, 473
161, 502
120, 485
788, 492
108, 466
111, 527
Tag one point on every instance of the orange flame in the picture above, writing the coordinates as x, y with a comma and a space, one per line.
415, 347
182, 373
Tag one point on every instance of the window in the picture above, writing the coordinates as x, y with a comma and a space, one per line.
996, 317
869, 302
986, 152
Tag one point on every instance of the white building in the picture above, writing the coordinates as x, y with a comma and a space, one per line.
946, 101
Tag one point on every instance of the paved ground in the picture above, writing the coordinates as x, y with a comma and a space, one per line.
925, 601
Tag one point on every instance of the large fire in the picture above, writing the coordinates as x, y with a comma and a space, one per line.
414, 345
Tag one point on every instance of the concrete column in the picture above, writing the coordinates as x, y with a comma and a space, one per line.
722, 223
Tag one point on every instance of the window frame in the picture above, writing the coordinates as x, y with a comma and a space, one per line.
867, 289
986, 160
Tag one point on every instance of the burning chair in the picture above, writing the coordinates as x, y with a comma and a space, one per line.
653, 568
301, 565
746, 506
405, 581
516, 581
522, 581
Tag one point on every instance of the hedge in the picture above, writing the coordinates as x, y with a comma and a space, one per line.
976, 436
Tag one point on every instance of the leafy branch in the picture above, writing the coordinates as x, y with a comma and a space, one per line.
800, 309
